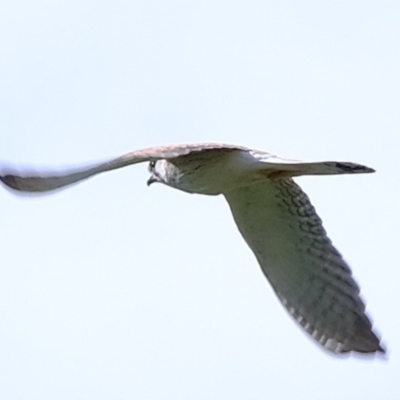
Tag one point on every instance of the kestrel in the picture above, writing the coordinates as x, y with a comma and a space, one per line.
275, 218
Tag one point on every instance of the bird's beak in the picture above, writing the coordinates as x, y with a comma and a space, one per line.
151, 180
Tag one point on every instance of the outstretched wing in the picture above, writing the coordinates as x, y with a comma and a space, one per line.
47, 181
307, 273
286, 168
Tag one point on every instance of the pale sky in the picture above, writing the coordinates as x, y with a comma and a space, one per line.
112, 290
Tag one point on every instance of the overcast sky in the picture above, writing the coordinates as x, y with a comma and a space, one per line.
112, 290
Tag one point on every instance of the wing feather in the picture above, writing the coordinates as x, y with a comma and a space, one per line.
306, 271
49, 181
287, 168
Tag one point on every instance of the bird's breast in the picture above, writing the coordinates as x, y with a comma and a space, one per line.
211, 174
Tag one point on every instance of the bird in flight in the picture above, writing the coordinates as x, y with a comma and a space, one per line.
275, 218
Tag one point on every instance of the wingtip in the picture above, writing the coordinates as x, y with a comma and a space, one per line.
381, 349
10, 181
352, 168
369, 170
22, 184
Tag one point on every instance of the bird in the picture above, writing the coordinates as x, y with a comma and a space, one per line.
275, 217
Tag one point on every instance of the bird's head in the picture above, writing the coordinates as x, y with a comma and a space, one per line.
158, 172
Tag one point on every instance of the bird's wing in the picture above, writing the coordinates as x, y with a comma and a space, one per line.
44, 181
286, 168
308, 274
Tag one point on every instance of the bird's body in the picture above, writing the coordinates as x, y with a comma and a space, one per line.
276, 219
210, 173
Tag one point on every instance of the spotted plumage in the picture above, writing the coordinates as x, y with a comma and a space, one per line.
274, 216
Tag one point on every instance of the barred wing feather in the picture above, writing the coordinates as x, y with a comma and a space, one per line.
307, 273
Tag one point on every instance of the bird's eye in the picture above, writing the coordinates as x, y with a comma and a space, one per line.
152, 165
